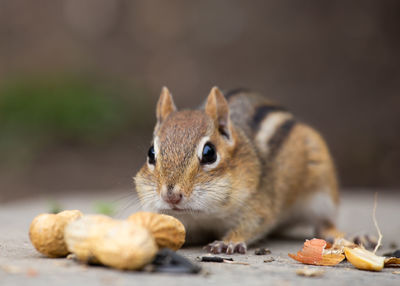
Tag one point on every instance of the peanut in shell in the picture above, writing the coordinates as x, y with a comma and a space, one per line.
167, 231
46, 232
80, 234
125, 245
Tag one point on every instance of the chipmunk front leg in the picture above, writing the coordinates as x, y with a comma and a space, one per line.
251, 226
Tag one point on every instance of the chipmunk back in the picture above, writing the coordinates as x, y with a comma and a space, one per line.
236, 169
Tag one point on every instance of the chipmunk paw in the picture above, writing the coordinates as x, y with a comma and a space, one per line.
218, 247
367, 241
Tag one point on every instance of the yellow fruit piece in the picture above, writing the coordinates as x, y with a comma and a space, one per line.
46, 232
364, 259
167, 231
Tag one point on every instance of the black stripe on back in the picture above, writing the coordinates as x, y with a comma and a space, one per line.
279, 137
235, 91
262, 112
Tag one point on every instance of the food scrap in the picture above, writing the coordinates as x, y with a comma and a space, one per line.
269, 260
367, 260
32, 272
213, 259
236, 262
309, 272
364, 259
169, 261
220, 260
314, 253
392, 261
11, 269
262, 251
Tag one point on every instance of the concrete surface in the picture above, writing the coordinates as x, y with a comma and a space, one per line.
20, 264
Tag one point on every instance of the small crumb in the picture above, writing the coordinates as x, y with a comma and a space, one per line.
393, 245
84, 267
236, 262
205, 273
32, 272
396, 272
262, 251
11, 269
108, 280
62, 263
306, 272
149, 268
269, 260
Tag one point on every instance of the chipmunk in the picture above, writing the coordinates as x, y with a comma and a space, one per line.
236, 169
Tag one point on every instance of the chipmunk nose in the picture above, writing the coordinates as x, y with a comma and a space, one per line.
171, 195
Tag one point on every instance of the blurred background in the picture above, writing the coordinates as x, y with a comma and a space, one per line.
79, 80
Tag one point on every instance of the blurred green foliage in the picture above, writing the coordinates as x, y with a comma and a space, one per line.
36, 112
105, 208
54, 207
73, 110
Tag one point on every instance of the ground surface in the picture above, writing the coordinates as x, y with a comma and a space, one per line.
20, 264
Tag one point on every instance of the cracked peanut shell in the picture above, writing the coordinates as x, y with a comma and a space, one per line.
364, 259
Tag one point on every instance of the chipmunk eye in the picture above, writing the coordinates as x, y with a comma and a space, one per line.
152, 155
209, 154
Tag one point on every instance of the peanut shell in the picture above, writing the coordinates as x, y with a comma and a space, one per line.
80, 234
167, 231
364, 259
46, 232
124, 245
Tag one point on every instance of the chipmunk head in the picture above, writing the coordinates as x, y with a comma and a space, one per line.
188, 161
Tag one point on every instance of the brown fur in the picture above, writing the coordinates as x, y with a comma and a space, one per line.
250, 190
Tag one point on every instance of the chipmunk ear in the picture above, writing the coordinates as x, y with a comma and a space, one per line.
217, 108
165, 105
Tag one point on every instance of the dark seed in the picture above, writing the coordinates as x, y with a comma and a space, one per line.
396, 253
169, 261
262, 251
214, 259
393, 254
